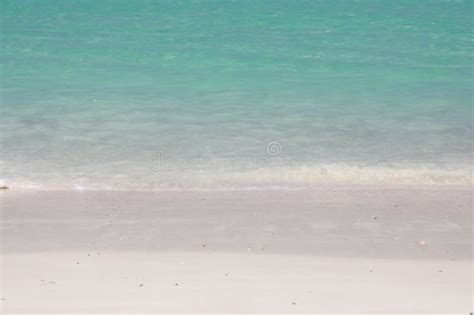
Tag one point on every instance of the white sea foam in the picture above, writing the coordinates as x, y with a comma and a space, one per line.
262, 178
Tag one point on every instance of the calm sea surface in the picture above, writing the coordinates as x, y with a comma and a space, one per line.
157, 95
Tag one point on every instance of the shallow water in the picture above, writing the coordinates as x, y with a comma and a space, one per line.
235, 94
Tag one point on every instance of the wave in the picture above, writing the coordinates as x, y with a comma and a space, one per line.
278, 176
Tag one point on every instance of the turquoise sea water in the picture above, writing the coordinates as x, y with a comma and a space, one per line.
235, 94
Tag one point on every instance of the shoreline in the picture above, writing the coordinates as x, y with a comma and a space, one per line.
141, 178
256, 188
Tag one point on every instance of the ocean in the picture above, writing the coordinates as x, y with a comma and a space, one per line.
221, 95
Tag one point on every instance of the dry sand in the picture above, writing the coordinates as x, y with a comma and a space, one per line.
328, 250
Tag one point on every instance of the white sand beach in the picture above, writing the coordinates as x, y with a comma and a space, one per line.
347, 249
236, 157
